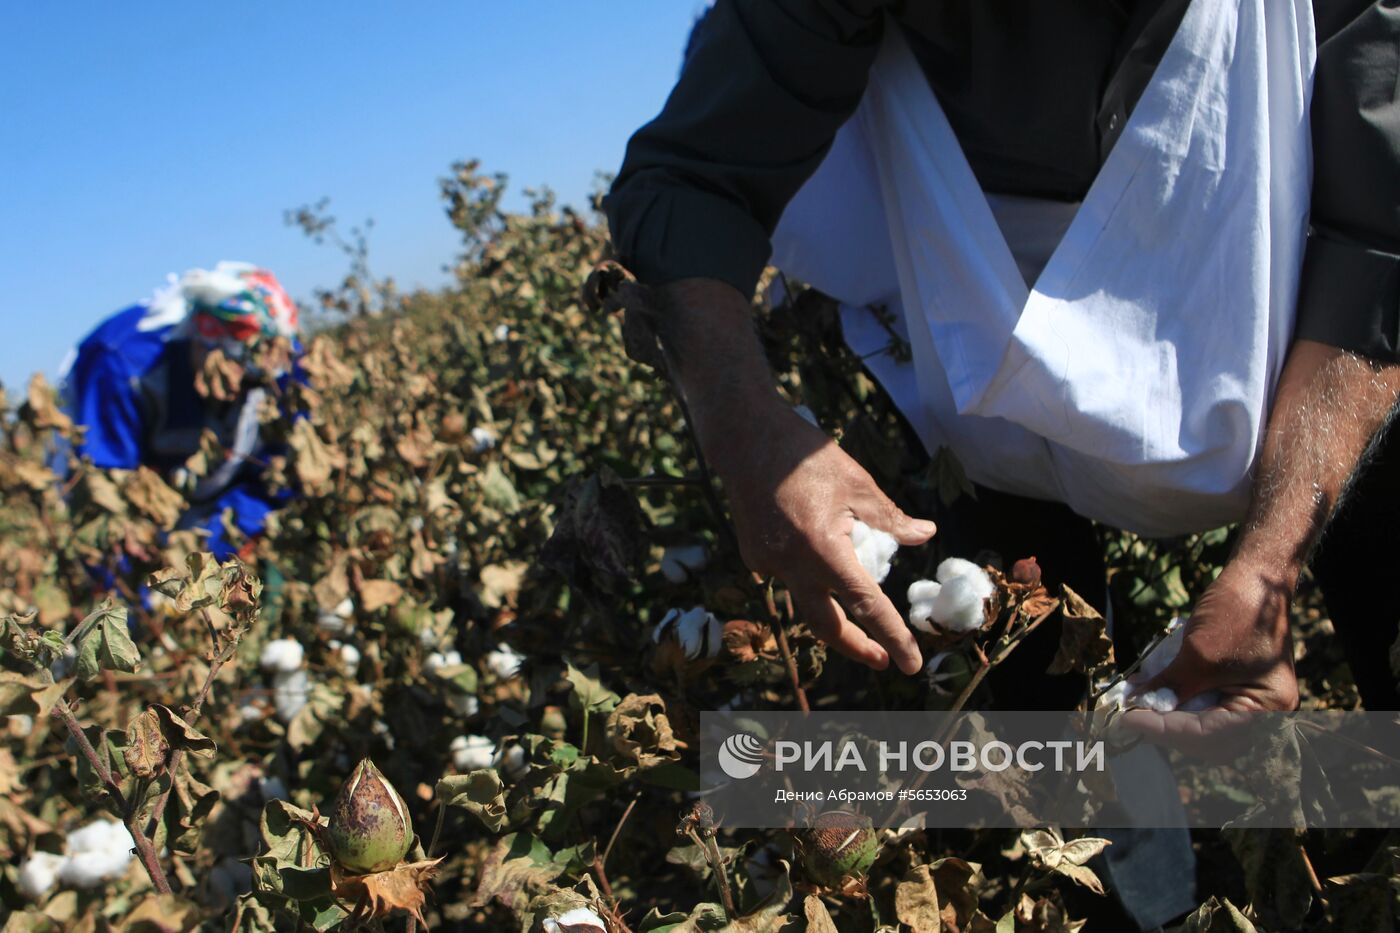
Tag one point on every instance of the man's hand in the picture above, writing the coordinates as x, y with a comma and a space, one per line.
1328, 407
1238, 644
794, 493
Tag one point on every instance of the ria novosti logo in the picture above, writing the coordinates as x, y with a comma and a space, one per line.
741, 755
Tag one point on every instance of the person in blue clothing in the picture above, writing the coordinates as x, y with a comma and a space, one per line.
132, 386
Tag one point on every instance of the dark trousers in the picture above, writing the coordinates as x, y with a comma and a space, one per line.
1356, 566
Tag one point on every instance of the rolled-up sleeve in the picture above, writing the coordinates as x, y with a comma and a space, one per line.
760, 98
1350, 290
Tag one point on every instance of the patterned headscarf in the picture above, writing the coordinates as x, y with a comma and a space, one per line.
237, 302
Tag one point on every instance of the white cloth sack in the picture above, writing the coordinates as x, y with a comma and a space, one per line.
1132, 381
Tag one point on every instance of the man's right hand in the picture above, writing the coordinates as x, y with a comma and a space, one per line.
794, 493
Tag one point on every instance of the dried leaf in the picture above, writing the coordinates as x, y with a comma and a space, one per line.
916, 900
399, 888
153, 498
376, 594
1084, 641
146, 748
819, 918
219, 377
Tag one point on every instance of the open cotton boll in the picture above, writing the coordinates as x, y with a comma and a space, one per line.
98, 852
483, 439
957, 567
922, 594
39, 874
874, 549
290, 690
958, 605
472, 752
349, 658
440, 659
511, 762
574, 921
697, 632
1124, 695
465, 705
504, 662
339, 620
681, 561
281, 654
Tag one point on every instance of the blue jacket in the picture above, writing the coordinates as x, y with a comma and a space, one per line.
133, 391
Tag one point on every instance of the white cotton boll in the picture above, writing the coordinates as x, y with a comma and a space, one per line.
922, 594
682, 561
350, 659
483, 439
580, 918
465, 705
440, 659
337, 621
1164, 654
958, 606
472, 752
957, 567
39, 874
504, 662
20, 724
511, 762
697, 631
874, 549
1161, 700
63, 665
1115, 697
290, 690
98, 852
283, 655
501, 333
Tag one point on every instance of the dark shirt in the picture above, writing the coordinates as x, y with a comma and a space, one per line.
1037, 94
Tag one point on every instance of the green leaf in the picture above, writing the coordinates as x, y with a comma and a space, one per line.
105, 643
588, 691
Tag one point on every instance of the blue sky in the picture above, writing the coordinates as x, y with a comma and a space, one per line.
145, 138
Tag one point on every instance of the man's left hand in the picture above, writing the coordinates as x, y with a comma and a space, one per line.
1237, 643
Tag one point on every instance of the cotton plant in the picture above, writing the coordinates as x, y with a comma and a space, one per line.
578, 920
1125, 695
875, 549
483, 439
339, 620
441, 659
695, 631
347, 656
681, 562
953, 602
284, 659
504, 662
93, 855
472, 752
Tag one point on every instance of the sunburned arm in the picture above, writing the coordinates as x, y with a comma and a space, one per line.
1329, 408
794, 493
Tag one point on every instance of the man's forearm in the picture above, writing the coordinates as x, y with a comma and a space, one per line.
706, 328
1329, 407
